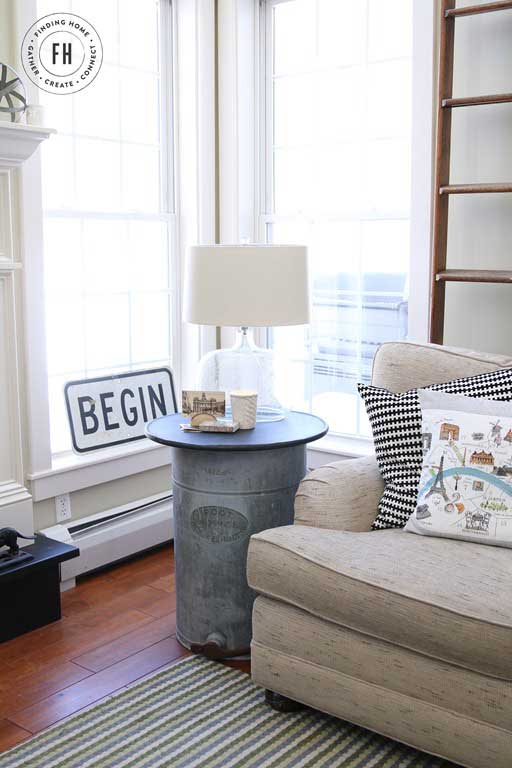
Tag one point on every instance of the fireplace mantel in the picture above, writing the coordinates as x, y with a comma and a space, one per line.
18, 142
20, 237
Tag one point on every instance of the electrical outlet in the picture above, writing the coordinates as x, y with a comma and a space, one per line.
62, 507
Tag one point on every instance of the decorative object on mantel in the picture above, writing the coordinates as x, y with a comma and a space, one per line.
246, 286
35, 114
243, 407
13, 101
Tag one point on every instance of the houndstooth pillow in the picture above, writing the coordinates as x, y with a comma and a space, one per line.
395, 420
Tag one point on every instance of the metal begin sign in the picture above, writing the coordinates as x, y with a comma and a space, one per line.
111, 410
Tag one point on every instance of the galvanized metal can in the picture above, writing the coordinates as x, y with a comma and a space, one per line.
220, 499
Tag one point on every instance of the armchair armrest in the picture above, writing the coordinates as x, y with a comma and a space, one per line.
343, 495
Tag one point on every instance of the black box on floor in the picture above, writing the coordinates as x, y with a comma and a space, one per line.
30, 589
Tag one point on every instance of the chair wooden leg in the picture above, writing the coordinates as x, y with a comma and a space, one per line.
282, 703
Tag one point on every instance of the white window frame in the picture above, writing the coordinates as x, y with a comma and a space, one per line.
423, 80
188, 33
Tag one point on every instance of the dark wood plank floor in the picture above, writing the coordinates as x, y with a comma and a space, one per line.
117, 626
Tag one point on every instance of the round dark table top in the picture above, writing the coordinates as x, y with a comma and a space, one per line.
295, 429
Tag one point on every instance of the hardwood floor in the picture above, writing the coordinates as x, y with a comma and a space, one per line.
117, 626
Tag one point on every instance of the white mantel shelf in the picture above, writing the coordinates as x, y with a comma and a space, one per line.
18, 142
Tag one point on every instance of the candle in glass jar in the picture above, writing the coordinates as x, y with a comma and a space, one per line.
243, 407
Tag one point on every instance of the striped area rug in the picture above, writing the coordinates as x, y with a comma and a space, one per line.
201, 714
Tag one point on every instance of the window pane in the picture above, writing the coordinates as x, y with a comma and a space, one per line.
385, 246
385, 81
107, 331
58, 189
97, 109
98, 172
103, 16
337, 184
139, 107
138, 33
151, 325
342, 31
341, 179
293, 110
64, 324
146, 255
334, 90
388, 178
294, 30
140, 178
106, 269
389, 29
293, 180
108, 275
58, 111
62, 262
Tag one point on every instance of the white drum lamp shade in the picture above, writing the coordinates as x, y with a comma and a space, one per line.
247, 285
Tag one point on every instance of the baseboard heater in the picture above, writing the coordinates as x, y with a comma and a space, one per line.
113, 535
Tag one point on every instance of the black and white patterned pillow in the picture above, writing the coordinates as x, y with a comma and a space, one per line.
395, 420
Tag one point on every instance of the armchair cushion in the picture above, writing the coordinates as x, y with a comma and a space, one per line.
396, 425
343, 495
450, 600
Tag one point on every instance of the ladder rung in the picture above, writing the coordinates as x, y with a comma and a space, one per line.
470, 101
470, 10
473, 189
475, 276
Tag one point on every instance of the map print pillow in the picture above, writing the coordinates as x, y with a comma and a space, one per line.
465, 491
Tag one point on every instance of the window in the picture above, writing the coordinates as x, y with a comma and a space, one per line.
108, 203
337, 134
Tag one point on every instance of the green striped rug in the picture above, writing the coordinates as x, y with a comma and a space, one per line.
200, 714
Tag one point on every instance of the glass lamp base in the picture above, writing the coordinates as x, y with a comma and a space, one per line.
243, 367
264, 413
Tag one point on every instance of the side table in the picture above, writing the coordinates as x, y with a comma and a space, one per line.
225, 488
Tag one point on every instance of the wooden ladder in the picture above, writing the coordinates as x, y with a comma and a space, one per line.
440, 274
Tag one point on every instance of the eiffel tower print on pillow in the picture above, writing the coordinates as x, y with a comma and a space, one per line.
465, 490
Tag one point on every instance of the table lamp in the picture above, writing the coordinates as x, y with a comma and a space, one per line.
246, 286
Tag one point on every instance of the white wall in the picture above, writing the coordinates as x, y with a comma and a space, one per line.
480, 226
6, 22
98, 498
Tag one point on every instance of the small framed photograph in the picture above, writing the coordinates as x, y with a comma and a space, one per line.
196, 401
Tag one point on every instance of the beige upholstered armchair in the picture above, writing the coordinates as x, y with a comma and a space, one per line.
406, 635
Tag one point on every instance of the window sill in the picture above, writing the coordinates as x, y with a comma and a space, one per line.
336, 447
72, 473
